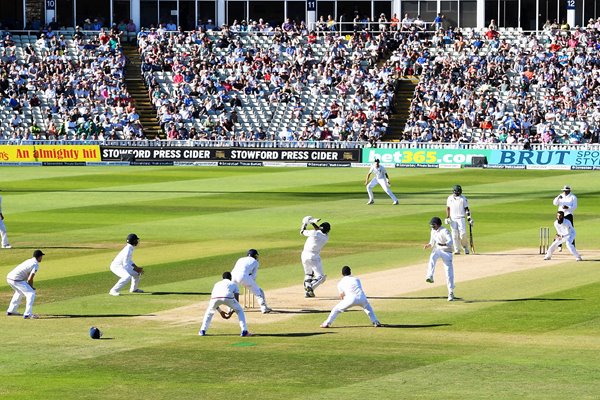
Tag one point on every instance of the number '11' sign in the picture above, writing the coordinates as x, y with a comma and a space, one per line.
311, 5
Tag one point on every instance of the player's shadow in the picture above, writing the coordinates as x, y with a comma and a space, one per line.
302, 311
291, 334
407, 297
519, 300
397, 326
179, 293
51, 316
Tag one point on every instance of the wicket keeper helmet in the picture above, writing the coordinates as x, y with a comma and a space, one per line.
435, 221
95, 333
133, 239
457, 190
325, 227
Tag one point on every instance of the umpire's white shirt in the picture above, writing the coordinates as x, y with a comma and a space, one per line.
457, 205
569, 200
224, 289
351, 287
379, 173
245, 266
315, 241
22, 271
123, 260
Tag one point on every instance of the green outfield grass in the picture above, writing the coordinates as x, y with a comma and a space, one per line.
532, 334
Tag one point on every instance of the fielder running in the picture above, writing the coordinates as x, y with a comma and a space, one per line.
440, 243
316, 239
380, 177
565, 233
124, 267
244, 273
457, 209
352, 294
224, 292
21, 280
3, 235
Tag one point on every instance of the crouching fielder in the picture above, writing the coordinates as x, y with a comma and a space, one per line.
316, 239
227, 293
565, 233
124, 267
440, 243
244, 273
352, 294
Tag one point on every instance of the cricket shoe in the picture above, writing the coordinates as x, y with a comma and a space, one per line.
266, 310
429, 280
395, 203
546, 258
13, 314
457, 252
466, 251
309, 292
245, 333
324, 325
114, 293
451, 296
377, 324
202, 333
31, 316
370, 202
136, 291
8, 246
579, 259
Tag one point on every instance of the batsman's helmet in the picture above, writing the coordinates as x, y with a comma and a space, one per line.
95, 333
325, 227
253, 253
435, 221
132, 238
457, 190
346, 270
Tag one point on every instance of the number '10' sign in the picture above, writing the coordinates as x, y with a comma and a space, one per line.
50, 5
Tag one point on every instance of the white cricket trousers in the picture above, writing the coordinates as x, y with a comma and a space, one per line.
348, 302
125, 276
447, 260
313, 269
231, 303
384, 185
3, 234
21, 288
568, 241
459, 234
250, 284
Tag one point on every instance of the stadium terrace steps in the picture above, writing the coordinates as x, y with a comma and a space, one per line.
404, 94
139, 93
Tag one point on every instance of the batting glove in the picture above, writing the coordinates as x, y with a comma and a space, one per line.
447, 221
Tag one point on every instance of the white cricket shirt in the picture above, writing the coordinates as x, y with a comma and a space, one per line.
457, 205
351, 287
315, 241
123, 259
22, 271
245, 266
378, 172
224, 289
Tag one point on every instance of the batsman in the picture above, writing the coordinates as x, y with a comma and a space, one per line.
457, 215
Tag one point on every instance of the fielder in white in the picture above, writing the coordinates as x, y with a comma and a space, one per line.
565, 233
21, 280
225, 292
316, 239
457, 211
380, 177
567, 203
352, 294
244, 273
124, 267
440, 243
3, 235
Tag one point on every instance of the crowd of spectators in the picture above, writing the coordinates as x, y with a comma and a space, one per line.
66, 88
504, 87
215, 76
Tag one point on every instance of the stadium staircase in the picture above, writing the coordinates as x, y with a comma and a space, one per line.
139, 93
404, 94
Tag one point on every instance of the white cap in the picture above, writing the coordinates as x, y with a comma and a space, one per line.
566, 187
